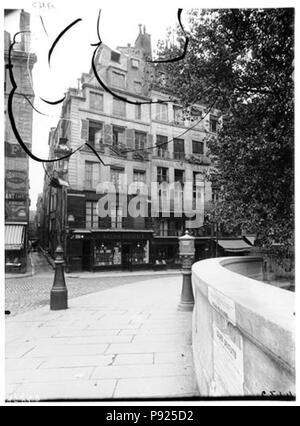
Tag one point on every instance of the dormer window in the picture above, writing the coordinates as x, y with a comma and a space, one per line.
115, 57
135, 63
118, 80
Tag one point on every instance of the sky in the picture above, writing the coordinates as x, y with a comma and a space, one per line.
72, 55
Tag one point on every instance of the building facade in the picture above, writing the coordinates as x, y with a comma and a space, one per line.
139, 145
17, 202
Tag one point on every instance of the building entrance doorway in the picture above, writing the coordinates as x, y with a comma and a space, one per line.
126, 256
87, 255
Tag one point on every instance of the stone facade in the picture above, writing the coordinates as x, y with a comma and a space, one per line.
17, 200
126, 137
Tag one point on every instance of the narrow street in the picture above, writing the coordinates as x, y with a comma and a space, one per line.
29, 293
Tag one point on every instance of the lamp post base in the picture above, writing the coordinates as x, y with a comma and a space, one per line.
59, 292
186, 306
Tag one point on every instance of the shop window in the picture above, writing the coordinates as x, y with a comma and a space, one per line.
179, 153
96, 101
139, 254
198, 147
119, 107
107, 254
95, 133
140, 140
161, 112
118, 80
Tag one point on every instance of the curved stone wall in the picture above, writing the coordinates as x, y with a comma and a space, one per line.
243, 330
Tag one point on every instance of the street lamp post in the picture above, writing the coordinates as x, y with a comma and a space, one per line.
59, 291
187, 254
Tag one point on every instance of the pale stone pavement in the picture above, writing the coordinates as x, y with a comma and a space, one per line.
128, 342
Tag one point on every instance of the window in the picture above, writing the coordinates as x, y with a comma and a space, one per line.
178, 115
161, 112
163, 228
117, 177
91, 214
138, 112
213, 124
138, 87
179, 149
118, 136
118, 80
162, 145
140, 141
179, 176
89, 174
162, 174
96, 101
135, 63
117, 218
198, 147
115, 56
139, 176
95, 132
119, 107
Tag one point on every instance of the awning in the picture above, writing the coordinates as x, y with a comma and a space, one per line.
14, 237
235, 246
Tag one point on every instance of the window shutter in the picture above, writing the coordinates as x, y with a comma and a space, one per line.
130, 138
108, 140
149, 141
84, 130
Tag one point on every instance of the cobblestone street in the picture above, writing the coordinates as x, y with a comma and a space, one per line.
29, 293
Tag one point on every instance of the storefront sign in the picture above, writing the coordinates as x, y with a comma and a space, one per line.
222, 304
14, 150
16, 180
228, 365
16, 196
16, 211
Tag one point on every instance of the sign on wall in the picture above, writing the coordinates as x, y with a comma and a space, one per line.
223, 305
228, 364
16, 180
16, 211
14, 150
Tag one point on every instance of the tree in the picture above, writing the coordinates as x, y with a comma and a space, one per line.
241, 63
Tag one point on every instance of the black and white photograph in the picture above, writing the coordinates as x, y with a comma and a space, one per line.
149, 206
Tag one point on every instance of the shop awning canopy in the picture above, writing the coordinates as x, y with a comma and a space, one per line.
14, 237
234, 246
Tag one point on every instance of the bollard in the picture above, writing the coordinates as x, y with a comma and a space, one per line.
187, 254
59, 292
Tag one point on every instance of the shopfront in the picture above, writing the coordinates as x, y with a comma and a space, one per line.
15, 248
98, 250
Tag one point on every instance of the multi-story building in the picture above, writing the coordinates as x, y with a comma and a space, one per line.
17, 200
138, 143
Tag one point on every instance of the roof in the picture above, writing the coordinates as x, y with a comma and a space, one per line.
14, 237
234, 245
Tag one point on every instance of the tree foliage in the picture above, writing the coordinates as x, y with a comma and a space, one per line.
241, 62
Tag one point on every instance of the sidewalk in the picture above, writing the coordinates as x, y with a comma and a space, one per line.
125, 343
115, 274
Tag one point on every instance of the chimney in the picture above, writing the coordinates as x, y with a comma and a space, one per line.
143, 42
140, 27
25, 26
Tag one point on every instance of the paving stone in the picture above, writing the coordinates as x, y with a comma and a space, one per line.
70, 350
138, 371
22, 364
141, 348
134, 359
162, 387
60, 390
50, 375
176, 357
78, 361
